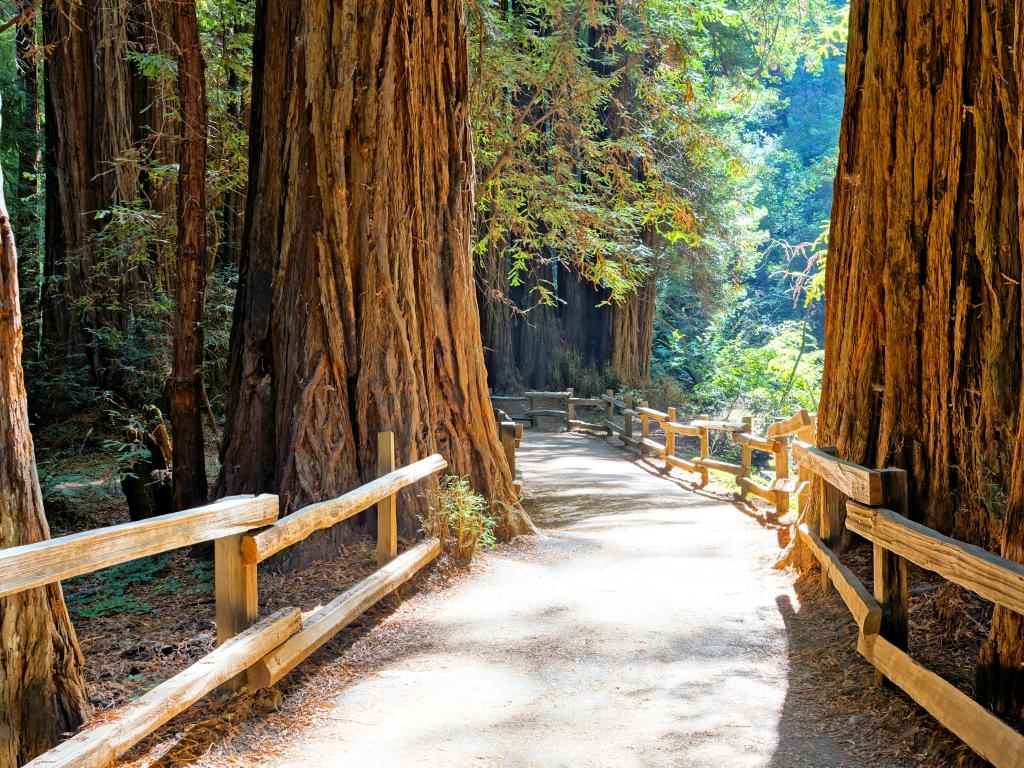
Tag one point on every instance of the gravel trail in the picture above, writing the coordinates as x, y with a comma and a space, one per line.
645, 628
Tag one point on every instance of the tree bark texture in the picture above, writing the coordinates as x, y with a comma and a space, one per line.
922, 331
29, 164
1000, 675
41, 690
89, 124
190, 485
496, 317
104, 122
630, 329
923, 321
357, 310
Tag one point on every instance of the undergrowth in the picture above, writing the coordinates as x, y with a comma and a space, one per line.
460, 517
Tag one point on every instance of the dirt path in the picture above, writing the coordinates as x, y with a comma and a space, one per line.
647, 628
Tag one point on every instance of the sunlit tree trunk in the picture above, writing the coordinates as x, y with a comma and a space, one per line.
922, 332
41, 689
630, 328
923, 320
357, 310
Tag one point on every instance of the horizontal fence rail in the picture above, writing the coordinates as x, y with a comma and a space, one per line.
45, 562
245, 530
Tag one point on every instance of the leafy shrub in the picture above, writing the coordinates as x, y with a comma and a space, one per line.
460, 517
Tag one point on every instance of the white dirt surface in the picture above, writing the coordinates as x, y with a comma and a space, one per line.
645, 628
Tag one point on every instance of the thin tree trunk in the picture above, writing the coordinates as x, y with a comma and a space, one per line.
356, 310
28, 186
190, 486
41, 689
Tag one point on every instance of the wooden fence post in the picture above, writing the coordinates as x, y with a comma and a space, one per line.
827, 531
507, 432
781, 473
609, 408
236, 594
387, 513
570, 410
747, 454
670, 439
705, 450
890, 570
628, 419
645, 428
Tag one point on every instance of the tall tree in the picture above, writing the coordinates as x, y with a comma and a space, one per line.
187, 395
922, 330
89, 135
41, 690
923, 320
356, 310
1000, 679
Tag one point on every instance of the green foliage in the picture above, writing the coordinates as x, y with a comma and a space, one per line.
110, 591
460, 517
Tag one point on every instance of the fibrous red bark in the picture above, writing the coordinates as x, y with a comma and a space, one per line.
41, 689
356, 310
187, 399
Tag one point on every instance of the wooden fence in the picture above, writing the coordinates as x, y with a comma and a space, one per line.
875, 504
565, 412
246, 530
775, 442
876, 508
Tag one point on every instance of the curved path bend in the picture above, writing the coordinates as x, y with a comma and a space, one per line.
646, 628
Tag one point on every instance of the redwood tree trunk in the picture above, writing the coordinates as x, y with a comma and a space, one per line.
41, 689
190, 486
97, 109
923, 322
356, 310
922, 331
1000, 679
630, 329
496, 316
29, 157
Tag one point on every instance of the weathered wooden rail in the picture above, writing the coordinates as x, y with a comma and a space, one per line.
874, 506
775, 443
246, 530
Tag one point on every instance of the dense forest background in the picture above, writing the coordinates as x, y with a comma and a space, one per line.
653, 181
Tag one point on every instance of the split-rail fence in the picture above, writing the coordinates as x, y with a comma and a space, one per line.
245, 530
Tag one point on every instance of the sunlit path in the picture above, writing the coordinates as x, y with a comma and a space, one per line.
646, 629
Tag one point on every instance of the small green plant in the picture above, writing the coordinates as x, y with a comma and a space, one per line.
460, 517
111, 592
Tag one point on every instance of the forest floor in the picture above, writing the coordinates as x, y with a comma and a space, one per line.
646, 627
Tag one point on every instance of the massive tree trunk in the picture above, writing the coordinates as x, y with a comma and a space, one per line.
356, 310
537, 340
1000, 679
41, 689
923, 323
190, 486
89, 128
583, 318
496, 316
922, 330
